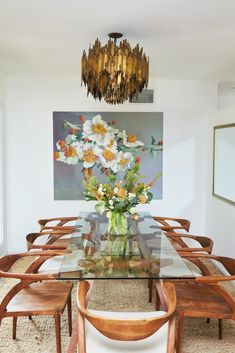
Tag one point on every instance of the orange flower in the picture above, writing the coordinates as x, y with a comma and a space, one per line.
131, 138
138, 160
142, 199
99, 129
61, 143
88, 156
70, 152
98, 196
121, 193
108, 155
87, 173
56, 155
122, 162
82, 118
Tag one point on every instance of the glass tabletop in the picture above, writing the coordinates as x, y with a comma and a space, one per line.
145, 252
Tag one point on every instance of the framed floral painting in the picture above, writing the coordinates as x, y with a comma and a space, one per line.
101, 143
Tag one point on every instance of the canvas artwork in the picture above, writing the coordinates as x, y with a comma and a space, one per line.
146, 127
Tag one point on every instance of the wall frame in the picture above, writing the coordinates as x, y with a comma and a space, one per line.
68, 184
224, 163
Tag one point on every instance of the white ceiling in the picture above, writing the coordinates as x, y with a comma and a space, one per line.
185, 39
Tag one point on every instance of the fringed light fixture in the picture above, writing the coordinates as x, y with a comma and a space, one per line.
115, 73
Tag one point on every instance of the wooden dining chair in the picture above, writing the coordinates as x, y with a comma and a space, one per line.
169, 224
184, 244
209, 296
58, 224
115, 332
35, 294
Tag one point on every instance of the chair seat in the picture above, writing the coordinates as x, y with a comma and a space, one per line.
98, 343
200, 297
46, 297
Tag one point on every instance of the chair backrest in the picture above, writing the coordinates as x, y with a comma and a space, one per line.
46, 240
129, 329
169, 224
227, 263
179, 240
58, 223
30, 274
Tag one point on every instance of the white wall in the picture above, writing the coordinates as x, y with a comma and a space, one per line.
30, 103
220, 215
226, 94
2, 107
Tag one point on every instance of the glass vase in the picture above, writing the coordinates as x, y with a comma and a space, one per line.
117, 223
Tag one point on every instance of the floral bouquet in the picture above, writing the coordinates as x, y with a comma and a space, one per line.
118, 198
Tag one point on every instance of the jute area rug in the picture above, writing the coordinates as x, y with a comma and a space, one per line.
37, 336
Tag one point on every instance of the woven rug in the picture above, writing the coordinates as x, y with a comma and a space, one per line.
37, 335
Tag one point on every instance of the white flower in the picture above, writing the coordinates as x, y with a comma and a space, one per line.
111, 202
68, 154
132, 210
131, 140
100, 207
108, 158
70, 138
97, 130
131, 195
124, 161
108, 214
110, 142
87, 153
115, 190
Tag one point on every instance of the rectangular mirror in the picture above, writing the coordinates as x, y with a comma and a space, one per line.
224, 163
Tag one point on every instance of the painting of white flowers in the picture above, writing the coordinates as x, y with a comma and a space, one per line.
105, 144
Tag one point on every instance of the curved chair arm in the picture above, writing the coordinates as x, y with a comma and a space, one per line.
51, 237
59, 223
227, 262
165, 224
6, 263
206, 243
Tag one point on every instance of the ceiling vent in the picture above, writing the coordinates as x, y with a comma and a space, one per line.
146, 96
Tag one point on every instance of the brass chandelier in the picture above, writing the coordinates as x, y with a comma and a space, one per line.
115, 73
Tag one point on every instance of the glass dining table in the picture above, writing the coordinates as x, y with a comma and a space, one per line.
144, 252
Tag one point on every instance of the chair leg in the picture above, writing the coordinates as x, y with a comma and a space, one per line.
179, 334
220, 321
157, 301
57, 333
208, 320
150, 285
14, 328
70, 315
30, 317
